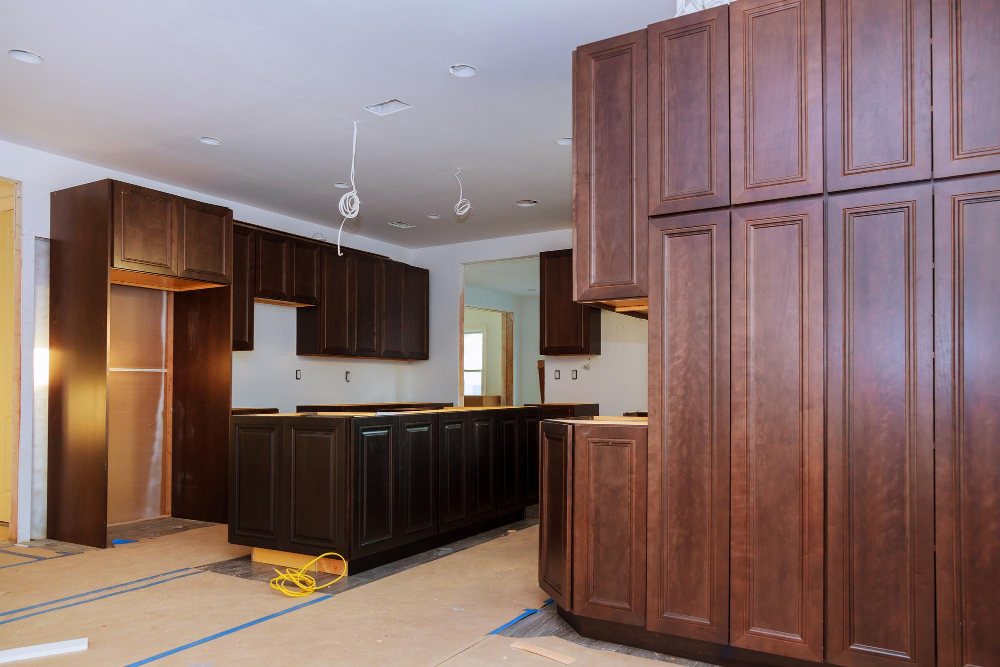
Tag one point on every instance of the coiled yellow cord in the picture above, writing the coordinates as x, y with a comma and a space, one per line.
295, 583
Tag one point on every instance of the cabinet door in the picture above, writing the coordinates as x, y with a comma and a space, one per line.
335, 311
315, 486
416, 326
878, 92
482, 466
145, 230
880, 429
453, 449
364, 311
776, 99
273, 267
609, 146
529, 456
392, 310
689, 444
966, 87
205, 242
374, 491
417, 477
555, 513
254, 482
967, 419
243, 287
777, 430
508, 460
609, 523
306, 272
689, 112
565, 327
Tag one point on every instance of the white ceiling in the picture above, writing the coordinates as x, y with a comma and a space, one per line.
510, 276
132, 85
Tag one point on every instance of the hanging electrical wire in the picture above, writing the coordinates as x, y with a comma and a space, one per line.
463, 206
350, 203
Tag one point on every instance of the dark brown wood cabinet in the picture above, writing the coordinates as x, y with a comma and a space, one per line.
482, 464
374, 494
392, 309
555, 512
880, 428
609, 130
530, 424
776, 99
204, 242
689, 443
243, 287
416, 315
314, 485
145, 230
327, 328
365, 305
453, 436
255, 451
565, 327
306, 272
689, 112
510, 431
878, 92
273, 267
418, 473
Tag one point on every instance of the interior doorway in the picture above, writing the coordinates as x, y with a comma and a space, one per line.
488, 357
10, 353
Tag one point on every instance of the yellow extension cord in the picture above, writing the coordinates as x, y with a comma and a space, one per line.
295, 583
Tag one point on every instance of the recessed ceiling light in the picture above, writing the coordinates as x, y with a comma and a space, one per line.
565, 141
210, 141
341, 185
401, 225
23, 56
433, 216
388, 107
525, 203
462, 71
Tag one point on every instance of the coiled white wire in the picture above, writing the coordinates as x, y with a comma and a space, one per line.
463, 206
350, 203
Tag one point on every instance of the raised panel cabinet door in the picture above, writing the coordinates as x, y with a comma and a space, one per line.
273, 267
335, 310
565, 327
453, 480
609, 147
418, 476
689, 443
880, 428
243, 279
776, 581
205, 242
145, 230
529, 456
878, 92
365, 311
967, 419
255, 481
609, 523
689, 112
417, 322
966, 87
509, 433
316, 485
375, 484
392, 310
555, 513
776, 99
482, 465
307, 267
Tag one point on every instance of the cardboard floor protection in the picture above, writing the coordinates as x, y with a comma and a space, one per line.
496, 650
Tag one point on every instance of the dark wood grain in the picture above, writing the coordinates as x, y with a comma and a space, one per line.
878, 92
510, 431
555, 513
145, 230
453, 478
375, 482
273, 266
689, 443
418, 477
689, 112
776, 595
365, 305
530, 423
416, 304
204, 242
243, 287
315, 485
255, 451
776, 99
306, 270
392, 309
482, 464
565, 327
967, 419
609, 147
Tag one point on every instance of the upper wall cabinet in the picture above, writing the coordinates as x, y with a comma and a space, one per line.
204, 242
365, 296
609, 143
273, 267
565, 327
243, 280
878, 92
306, 268
776, 91
416, 318
689, 112
392, 306
966, 87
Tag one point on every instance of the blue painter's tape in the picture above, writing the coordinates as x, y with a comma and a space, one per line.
526, 614
23, 553
121, 541
549, 601
99, 590
160, 656
100, 597
32, 562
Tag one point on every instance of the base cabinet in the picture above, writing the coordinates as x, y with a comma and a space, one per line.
314, 462
555, 512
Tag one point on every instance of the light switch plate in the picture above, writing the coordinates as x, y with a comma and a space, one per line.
557, 375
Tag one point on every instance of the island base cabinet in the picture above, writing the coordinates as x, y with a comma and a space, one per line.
555, 511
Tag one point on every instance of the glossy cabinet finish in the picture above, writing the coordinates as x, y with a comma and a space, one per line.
306, 272
609, 146
243, 287
689, 442
315, 485
689, 112
880, 428
392, 309
565, 327
555, 512
204, 242
416, 313
145, 230
365, 304
273, 267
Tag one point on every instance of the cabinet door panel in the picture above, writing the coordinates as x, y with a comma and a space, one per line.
967, 418
365, 311
482, 466
609, 523
689, 112
243, 280
776, 99
777, 430
966, 87
417, 477
609, 144
529, 458
145, 230
375, 487
880, 448
565, 327
316, 485
453, 448
689, 444
273, 267
878, 94
555, 513
204, 242
392, 308
335, 310
508, 460
416, 331
254, 482
306, 267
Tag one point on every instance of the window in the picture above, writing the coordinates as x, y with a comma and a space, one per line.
473, 364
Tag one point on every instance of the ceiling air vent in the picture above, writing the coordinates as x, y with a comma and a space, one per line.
401, 225
387, 107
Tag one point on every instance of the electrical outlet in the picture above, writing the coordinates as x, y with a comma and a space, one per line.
557, 375
298, 374
574, 373
347, 376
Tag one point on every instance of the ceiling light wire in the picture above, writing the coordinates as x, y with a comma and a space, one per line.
350, 203
464, 205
